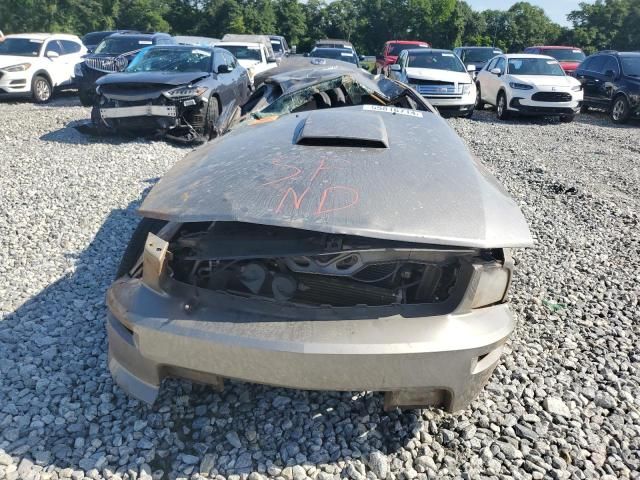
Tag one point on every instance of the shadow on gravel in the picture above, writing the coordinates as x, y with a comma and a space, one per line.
593, 118
60, 409
64, 98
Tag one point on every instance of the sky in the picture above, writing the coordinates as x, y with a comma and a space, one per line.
557, 10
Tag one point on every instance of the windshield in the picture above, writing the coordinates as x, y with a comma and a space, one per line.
631, 66
396, 48
94, 38
118, 45
159, 59
20, 47
243, 52
565, 54
277, 46
435, 60
479, 55
336, 54
535, 66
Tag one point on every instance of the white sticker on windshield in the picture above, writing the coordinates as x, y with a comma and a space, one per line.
447, 54
275, 42
577, 50
201, 52
396, 110
36, 41
346, 54
145, 42
552, 62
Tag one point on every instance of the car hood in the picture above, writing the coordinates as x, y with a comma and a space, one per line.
372, 171
248, 63
164, 78
435, 74
9, 60
546, 80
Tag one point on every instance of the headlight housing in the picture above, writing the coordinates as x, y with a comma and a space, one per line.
77, 70
520, 86
466, 88
491, 285
576, 88
185, 92
21, 67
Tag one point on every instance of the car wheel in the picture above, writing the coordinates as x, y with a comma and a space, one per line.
584, 108
136, 244
41, 89
212, 118
479, 102
96, 119
469, 114
86, 99
501, 107
620, 110
567, 118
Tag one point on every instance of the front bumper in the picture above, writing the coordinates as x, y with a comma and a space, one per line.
439, 360
15, 83
462, 103
139, 111
524, 104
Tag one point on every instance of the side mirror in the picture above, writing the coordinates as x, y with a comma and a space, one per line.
471, 68
496, 71
361, 58
51, 54
271, 60
395, 67
224, 69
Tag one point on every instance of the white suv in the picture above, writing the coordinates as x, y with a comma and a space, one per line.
529, 85
34, 64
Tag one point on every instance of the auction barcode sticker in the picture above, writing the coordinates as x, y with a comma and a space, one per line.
399, 111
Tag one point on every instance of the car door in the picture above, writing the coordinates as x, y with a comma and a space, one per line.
224, 86
72, 55
589, 76
493, 81
237, 94
482, 78
55, 65
608, 74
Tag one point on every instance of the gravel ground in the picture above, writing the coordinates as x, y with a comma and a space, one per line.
563, 403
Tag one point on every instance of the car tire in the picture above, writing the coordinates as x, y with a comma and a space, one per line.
620, 110
136, 244
479, 102
96, 119
86, 99
213, 113
501, 107
584, 108
41, 89
469, 114
567, 118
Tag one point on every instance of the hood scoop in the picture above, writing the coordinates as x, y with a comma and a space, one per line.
343, 128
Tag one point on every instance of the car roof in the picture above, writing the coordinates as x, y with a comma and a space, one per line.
423, 51
471, 47
556, 47
525, 55
239, 44
407, 42
332, 40
615, 52
130, 34
44, 36
337, 49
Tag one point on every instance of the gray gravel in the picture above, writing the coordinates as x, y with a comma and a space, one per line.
562, 404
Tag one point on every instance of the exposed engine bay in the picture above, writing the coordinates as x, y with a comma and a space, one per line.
315, 269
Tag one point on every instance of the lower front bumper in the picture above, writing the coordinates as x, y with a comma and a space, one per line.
441, 360
546, 108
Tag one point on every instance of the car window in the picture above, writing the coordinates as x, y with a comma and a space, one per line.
435, 60
219, 59
53, 46
70, 47
491, 64
610, 63
23, 47
500, 64
229, 60
597, 63
535, 66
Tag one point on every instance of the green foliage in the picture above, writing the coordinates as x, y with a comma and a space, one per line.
366, 23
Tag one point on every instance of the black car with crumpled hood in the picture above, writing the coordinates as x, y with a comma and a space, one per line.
182, 93
113, 54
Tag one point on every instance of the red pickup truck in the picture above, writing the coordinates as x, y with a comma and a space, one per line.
568, 57
392, 49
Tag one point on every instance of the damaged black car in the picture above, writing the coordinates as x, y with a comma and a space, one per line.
183, 93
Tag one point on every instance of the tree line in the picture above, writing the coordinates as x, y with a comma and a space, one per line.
367, 23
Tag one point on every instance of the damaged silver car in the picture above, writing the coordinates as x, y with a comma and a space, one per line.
364, 248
